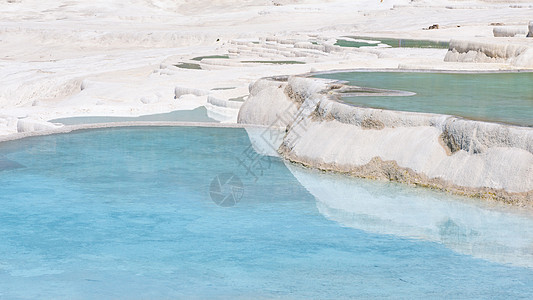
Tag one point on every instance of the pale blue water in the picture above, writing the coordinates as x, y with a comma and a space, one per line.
500, 97
195, 115
126, 214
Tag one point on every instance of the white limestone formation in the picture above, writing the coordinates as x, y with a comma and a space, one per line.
32, 124
518, 54
509, 31
223, 102
116, 58
482, 159
180, 91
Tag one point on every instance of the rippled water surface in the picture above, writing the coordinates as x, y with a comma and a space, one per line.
127, 213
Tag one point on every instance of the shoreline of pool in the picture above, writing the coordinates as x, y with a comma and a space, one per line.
80, 127
328, 106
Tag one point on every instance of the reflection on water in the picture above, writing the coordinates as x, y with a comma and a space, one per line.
127, 211
7, 164
466, 226
199, 114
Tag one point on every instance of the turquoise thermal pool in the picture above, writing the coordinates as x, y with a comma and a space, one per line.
498, 97
127, 213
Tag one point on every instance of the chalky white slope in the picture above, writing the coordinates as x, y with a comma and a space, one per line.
474, 158
122, 58
116, 58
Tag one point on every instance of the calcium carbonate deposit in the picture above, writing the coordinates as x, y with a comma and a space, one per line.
134, 58
475, 158
266, 149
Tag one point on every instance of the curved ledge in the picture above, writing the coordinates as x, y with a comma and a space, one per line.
473, 158
72, 128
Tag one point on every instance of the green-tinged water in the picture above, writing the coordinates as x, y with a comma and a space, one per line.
223, 88
238, 99
199, 58
275, 62
189, 66
498, 97
354, 44
395, 43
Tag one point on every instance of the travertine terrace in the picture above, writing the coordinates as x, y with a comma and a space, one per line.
140, 57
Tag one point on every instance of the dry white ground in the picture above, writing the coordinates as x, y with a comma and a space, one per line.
116, 58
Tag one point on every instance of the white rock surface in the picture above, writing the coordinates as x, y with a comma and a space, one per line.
31, 124
117, 58
180, 91
511, 51
419, 149
509, 31
268, 105
335, 136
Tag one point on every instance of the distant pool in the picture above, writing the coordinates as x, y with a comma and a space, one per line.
500, 97
126, 213
195, 115
362, 41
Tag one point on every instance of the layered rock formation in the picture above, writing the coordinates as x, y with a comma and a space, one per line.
516, 53
473, 158
509, 31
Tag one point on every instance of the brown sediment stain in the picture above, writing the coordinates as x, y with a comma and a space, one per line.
315, 116
371, 123
336, 86
379, 169
449, 143
294, 96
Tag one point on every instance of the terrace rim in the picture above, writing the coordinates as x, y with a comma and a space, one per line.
81, 127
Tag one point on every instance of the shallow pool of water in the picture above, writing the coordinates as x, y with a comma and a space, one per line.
127, 213
500, 97
199, 58
394, 43
189, 66
274, 62
195, 115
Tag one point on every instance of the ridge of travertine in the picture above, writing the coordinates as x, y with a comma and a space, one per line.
479, 159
